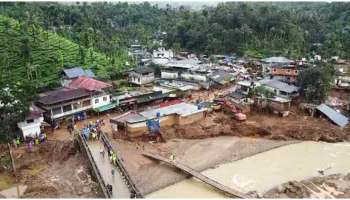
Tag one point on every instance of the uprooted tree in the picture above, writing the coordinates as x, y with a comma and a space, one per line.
316, 81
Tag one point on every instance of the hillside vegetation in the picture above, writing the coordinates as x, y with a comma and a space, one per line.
29, 52
258, 29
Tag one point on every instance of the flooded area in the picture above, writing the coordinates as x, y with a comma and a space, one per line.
266, 170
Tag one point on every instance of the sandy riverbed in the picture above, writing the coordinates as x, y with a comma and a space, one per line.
264, 171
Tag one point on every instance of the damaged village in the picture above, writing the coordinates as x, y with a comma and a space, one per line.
174, 123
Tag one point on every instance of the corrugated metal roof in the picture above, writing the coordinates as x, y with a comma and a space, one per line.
276, 60
282, 86
182, 109
333, 115
63, 94
78, 71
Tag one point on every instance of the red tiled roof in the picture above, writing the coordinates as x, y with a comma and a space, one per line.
88, 83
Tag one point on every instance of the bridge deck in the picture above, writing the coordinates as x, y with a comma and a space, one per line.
229, 191
120, 188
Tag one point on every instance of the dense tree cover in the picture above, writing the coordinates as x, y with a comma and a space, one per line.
315, 82
253, 29
38, 39
30, 53
14, 105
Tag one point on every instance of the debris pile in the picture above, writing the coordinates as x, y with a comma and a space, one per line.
331, 186
55, 170
294, 127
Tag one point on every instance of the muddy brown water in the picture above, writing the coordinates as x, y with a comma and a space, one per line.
266, 170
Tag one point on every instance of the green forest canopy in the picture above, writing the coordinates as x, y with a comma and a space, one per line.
45, 37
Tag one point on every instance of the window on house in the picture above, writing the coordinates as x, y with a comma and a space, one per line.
86, 103
30, 121
274, 70
104, 98
138, 79
288, 70
76, 106
67, 108
296, 71
56, 111
97, 101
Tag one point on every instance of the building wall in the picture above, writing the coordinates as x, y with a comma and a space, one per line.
284, 71
30, 129
140, 128
279, 106
78, 107
189, 119
140, 79
169, 75
286, 78
196, 77
101, 101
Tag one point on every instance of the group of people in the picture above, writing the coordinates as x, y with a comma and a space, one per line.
31, 141
93, 129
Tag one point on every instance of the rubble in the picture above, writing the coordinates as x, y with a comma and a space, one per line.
54, 170
331, 186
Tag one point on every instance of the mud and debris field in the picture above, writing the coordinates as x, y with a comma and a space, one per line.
330, 186
54, 170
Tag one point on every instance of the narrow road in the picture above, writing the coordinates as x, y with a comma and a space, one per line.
120, 188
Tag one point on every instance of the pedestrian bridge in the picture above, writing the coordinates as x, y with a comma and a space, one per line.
122, 185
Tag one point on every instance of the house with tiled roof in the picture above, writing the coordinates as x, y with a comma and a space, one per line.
67, 75
100, 96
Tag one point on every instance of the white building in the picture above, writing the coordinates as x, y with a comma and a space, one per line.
162, 56
141, 75
30, 127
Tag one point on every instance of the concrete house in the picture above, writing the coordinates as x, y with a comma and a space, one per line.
30, 127
188, 70
64, 102
267, 63
162, 56
141, 75
178, 113
286, 73
100, 97
280, 88
67, 75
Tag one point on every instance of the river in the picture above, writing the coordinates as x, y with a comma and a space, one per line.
266, 170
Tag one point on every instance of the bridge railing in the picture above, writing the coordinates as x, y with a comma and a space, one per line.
103, 186
135, 193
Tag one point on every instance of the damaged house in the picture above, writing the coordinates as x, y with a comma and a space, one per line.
141, 75
280, 88
179, 113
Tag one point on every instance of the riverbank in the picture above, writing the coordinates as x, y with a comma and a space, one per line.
264, 171
200, 154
